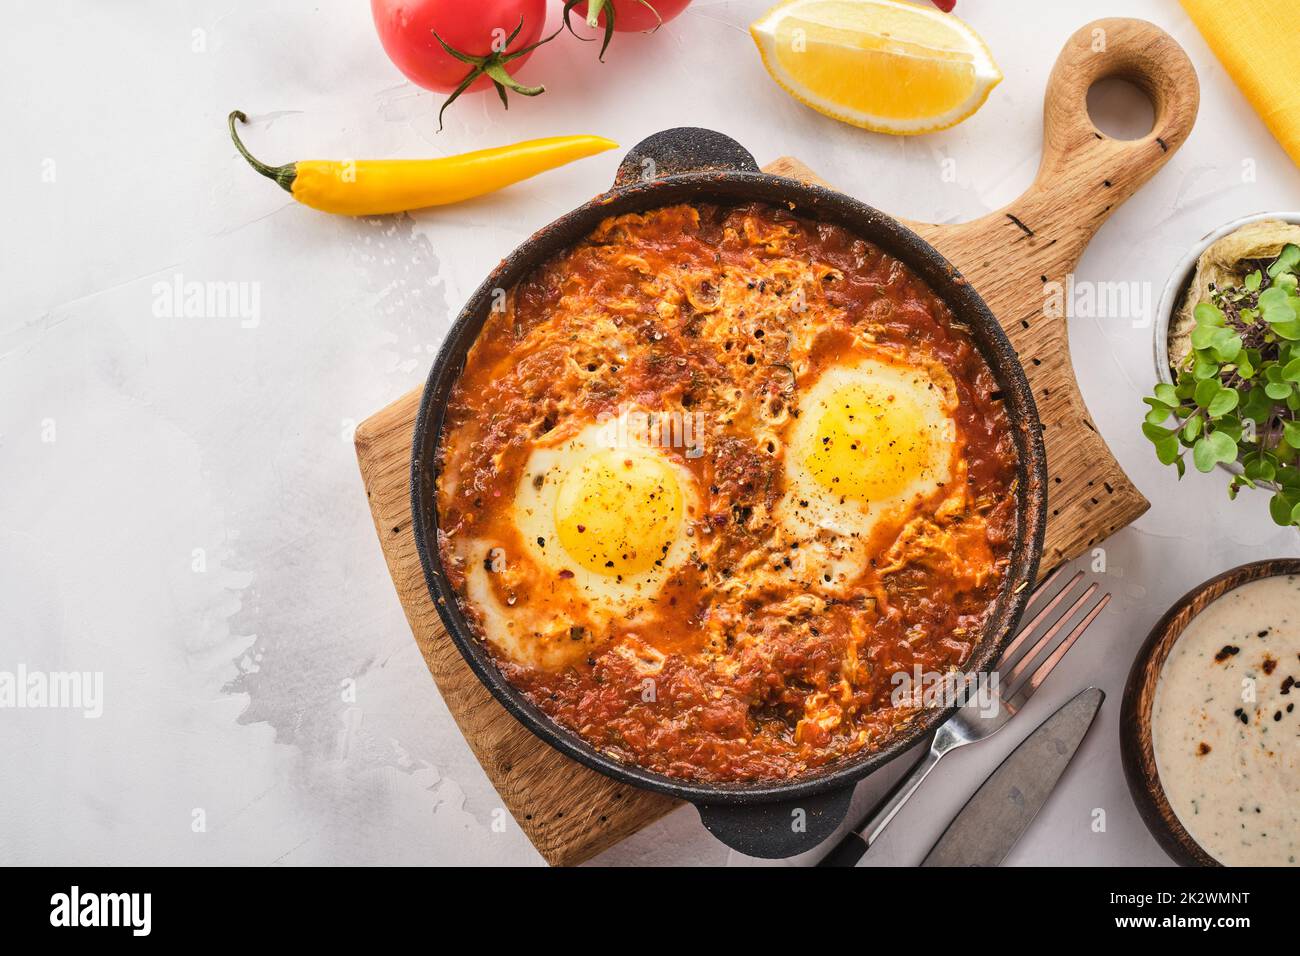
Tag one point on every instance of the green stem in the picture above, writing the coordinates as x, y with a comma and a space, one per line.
594, 8
499, 75
493, 66
284, 175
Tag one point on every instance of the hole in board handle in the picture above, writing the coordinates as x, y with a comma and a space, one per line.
1120, 108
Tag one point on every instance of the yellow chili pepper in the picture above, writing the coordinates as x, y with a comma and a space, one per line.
375, 187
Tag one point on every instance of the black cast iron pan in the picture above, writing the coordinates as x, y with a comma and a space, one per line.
777, 819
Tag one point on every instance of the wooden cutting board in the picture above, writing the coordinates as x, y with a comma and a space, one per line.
1012, 256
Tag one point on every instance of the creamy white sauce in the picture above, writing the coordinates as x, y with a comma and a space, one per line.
1226, 728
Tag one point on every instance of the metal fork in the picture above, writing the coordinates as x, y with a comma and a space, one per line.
968, 724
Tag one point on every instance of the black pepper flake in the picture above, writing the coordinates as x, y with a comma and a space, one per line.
1228, 651
1241, 715
541, 542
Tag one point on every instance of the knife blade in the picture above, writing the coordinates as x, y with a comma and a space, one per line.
986, 829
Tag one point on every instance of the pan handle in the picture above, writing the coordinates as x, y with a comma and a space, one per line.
774, 831
685, 149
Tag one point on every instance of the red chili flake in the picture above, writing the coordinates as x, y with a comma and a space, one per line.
1203, 749
566, 574
1269, 665
945, 5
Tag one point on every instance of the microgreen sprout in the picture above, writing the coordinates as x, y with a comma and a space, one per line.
1236, 397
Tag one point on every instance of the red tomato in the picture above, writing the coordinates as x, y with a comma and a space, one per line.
474, 27
636, 16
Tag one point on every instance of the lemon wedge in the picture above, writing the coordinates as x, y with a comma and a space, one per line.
883, 65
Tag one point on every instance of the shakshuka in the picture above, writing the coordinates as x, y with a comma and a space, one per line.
712, 477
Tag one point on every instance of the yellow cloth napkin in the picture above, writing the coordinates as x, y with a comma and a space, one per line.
1256, 41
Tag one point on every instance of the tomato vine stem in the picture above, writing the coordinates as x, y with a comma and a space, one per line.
493, 66
594, 9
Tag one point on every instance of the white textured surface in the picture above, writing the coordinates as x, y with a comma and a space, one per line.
223, 686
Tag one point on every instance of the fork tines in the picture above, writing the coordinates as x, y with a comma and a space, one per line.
1015, 661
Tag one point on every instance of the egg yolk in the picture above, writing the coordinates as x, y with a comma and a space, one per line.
871, 443
619, 511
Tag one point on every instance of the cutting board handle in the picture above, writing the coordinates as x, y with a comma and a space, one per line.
1084, 173
1132, 50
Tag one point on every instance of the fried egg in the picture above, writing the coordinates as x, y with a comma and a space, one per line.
874, 442
602, 526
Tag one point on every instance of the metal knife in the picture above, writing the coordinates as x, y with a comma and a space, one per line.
986, 829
